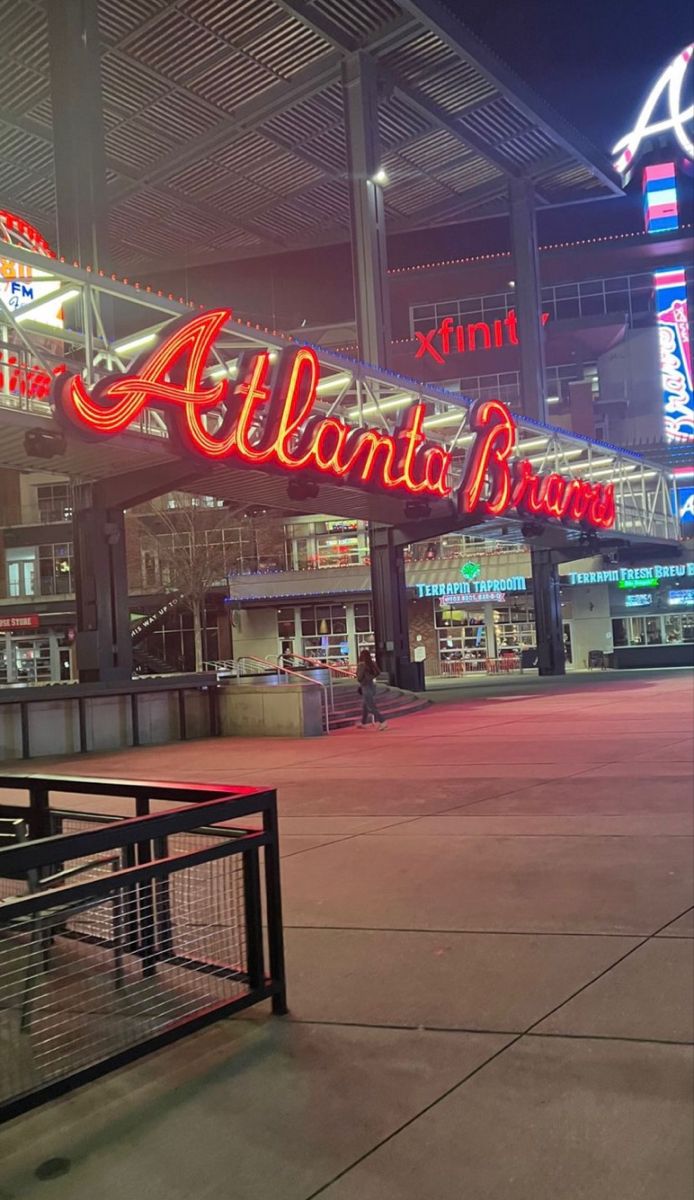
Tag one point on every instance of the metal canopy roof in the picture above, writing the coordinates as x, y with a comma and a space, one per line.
225, 134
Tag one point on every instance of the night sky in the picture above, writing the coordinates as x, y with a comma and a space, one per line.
593, 60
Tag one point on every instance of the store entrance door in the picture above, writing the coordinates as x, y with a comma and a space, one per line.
29, 660
568, 642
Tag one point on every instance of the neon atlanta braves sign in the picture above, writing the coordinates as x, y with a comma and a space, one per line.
270, 423
669, 84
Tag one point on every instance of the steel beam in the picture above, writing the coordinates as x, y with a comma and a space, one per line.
528, 298
78, 131
551, 658
369, 250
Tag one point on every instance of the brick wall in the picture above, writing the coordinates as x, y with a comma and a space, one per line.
421, 617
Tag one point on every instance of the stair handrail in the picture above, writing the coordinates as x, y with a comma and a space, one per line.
348, 672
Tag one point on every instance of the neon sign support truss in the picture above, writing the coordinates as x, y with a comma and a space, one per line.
403, 437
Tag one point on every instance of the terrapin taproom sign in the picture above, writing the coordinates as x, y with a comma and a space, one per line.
266, 418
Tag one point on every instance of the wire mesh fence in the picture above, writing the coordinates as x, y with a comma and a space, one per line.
111, 945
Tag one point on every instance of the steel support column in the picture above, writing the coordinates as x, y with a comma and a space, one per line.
372, 309
528, 298
104, 645
548, 623
78, 131
368, 223
389, 599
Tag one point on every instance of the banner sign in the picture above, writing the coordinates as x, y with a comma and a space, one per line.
14, 624
675, 353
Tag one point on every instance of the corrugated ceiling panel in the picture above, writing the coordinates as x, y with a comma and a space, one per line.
20, 87
239, 196
289, 47
398, 123
24, 35
470, 173
232, 20
174, 45
116, 21
242, 152
229, 84
198, 177
413, 196
234, 238
357, 17
134, 143
39, 193
126, 87
42, 113
328, 150
435, 149
495, 122
32, 152
456, 86
420, 55
284, 174
303, 121
181, 116
527, 148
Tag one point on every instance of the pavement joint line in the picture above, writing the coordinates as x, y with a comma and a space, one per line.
411, 1120
481, 1066
613, 1037
474, 1029
641, 937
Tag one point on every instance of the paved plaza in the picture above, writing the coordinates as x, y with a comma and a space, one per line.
489, 926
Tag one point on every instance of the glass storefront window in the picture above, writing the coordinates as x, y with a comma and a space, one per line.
286, 623
654, 631
312, 545
619, 632
324, 632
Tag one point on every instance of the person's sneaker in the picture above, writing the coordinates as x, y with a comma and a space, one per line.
382, 726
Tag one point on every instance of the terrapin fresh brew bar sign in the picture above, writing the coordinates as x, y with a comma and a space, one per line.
267, 418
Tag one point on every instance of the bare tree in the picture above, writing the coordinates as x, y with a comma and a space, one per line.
187, 544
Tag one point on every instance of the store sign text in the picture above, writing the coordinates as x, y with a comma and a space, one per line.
636, 575
13, 624
448, 338
266, 419
459, 587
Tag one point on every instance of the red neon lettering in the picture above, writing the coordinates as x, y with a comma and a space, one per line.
258, 421
487, 461
475, 336
487, 467
472, 335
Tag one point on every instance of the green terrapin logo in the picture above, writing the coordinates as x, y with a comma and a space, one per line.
470, 570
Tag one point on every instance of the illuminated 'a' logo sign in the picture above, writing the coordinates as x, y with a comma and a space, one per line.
665, 94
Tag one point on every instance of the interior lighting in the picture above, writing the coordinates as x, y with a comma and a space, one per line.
450, 418
533, 444
372, 410
143, 339
333, 383
553, 400
381, 177
45, 314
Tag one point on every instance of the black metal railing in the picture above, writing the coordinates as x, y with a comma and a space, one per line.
123, 934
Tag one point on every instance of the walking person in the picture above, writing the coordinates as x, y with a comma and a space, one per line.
367, 673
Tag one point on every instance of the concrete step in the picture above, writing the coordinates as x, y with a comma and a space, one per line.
392, 702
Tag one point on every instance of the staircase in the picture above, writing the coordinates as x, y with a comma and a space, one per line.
345, 707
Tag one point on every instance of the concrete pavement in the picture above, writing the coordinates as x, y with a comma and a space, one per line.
489, 938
